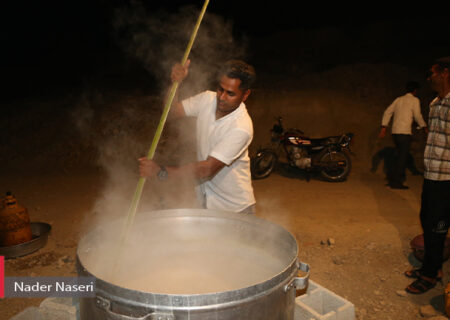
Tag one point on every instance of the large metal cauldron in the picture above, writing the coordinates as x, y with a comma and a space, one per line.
192, 265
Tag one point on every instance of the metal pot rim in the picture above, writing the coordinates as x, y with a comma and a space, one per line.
172, 301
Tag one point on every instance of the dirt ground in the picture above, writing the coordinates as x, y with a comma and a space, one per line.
368, 224
72, 161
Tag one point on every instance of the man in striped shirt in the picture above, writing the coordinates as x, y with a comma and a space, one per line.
435, 208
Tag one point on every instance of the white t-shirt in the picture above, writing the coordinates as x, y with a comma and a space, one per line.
405, 109
226, 139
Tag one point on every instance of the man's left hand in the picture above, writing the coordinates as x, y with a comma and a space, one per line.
382, 133
148, 168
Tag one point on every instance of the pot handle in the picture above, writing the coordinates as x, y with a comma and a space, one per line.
105, 305
299, 282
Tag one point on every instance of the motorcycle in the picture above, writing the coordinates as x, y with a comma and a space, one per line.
328, 156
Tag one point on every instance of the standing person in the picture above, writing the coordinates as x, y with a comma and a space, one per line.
435, 208
405, 109
224, 133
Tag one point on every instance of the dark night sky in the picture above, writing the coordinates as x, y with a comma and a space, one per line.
47, 43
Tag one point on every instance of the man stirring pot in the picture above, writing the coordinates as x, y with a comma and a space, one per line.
224, 133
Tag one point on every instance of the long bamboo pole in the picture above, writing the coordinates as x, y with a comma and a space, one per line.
137, 194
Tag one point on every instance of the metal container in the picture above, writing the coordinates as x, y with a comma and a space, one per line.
40, 232
256, 294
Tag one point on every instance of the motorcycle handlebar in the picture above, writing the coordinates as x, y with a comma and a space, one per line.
346, 138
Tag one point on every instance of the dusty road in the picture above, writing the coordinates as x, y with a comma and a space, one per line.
369, 224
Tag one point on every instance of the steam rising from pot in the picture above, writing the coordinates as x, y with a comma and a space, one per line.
121, 127
158, 40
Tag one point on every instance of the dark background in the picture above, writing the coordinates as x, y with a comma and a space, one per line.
48, 47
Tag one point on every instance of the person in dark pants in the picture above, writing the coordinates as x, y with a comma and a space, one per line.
435, 207
388, 156
404, 110
402, 144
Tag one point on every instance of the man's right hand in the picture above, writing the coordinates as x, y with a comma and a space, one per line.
382, 133
148, 168
179, 72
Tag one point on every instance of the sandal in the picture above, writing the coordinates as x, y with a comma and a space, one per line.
421, 285
416, 273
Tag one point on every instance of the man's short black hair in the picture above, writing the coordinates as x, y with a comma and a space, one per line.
412, 85
443, 63
238, 69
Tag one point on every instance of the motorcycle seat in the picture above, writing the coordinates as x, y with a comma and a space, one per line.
325, 141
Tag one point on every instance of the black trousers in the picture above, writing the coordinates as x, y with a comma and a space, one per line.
402, 144
435, 218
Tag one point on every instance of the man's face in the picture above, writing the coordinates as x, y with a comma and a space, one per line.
229, 95
436, 77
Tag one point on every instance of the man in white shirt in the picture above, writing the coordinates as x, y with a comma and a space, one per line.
224, 132
404, 110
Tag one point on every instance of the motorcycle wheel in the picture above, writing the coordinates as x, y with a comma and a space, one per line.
336, 174
263, 164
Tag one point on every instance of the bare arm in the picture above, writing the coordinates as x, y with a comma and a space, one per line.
179, 73
200, 170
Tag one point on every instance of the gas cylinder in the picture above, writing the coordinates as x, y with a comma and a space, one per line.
15, 227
